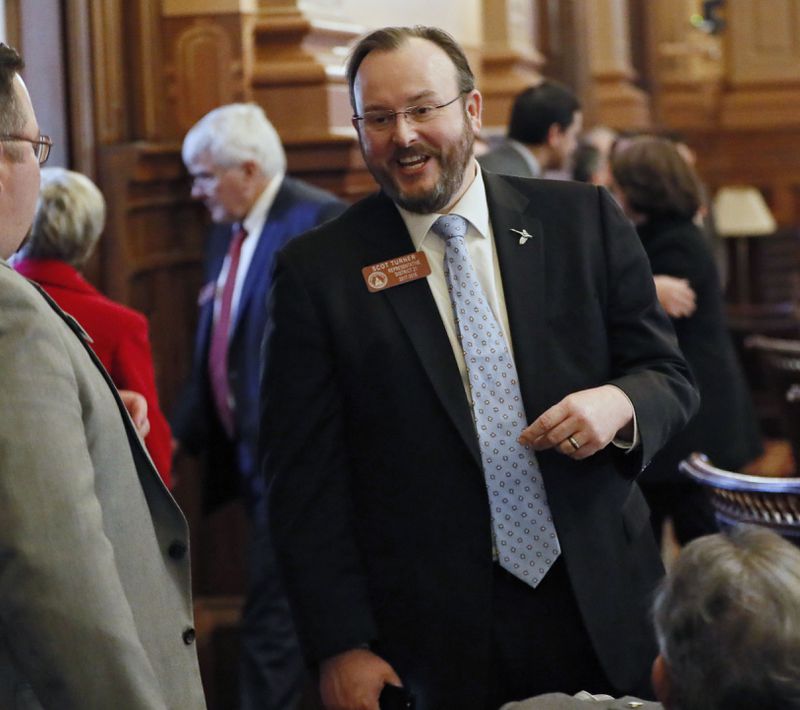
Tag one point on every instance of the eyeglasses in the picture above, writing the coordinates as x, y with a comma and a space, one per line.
383, 119
41, 145
205, 179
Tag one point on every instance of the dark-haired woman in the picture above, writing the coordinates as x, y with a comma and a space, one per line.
660, 193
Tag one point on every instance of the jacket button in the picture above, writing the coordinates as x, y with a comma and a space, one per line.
177, 550
189, 636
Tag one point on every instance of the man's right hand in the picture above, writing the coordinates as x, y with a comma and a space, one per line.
353, 680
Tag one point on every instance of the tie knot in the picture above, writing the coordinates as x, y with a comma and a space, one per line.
449, 226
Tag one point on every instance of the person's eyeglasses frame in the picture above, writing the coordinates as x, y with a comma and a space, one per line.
206, 180
41, 145
415, 114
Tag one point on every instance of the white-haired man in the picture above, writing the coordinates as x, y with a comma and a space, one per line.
238, 166
95, 602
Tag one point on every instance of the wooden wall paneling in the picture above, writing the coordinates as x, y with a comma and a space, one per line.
110, 73
509, 60
562, 39
769, 160
762, 52
687, 66
766, 36
617, 101
288, 81
154, 248
144, 50
78, 32
12, 23
209, 65
333, 163
329, 42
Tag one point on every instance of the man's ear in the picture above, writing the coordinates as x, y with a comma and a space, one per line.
3, 167
474, 106
250, 168
554, 134
660, 678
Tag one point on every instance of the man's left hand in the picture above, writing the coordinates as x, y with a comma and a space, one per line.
582, 423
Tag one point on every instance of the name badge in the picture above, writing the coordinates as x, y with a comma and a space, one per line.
395, 272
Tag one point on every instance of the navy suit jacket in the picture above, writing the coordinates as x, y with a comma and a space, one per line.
232, 465
378, 500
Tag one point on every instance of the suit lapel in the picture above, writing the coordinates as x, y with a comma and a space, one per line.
415, 308
274, 235
522, 268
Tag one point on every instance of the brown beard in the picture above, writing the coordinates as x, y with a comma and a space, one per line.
453, 162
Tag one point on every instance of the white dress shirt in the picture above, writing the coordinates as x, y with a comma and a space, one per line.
474, 208
253, 223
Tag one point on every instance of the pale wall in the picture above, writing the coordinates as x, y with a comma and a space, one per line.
462, 19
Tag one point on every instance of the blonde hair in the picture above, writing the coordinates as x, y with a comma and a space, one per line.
70, 216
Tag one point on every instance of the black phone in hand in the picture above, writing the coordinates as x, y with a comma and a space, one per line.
393, 697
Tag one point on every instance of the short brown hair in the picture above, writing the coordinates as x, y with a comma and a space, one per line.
389, 38
12, 118
655, 179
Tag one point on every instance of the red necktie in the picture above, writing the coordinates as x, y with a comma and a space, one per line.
218, 350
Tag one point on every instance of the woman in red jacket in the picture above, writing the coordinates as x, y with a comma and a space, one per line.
69, 219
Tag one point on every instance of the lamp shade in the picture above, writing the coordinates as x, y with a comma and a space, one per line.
741, 211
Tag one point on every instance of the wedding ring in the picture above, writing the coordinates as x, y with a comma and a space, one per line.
575, 444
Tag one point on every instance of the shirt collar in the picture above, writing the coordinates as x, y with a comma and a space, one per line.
472, 206
257, 216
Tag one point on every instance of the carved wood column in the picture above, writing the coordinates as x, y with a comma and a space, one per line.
688, 65
298, 74
509, 62
209, 57
762, 93
762, 64
616, 101
736, 96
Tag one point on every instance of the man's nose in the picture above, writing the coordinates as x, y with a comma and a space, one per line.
404, 130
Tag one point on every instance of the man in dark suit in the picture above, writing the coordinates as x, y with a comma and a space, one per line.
543, 131
393, 433
237, 164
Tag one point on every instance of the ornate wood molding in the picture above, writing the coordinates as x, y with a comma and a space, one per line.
210, 65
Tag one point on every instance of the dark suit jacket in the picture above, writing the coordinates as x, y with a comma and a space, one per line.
233, 466
119, 338
725, 428
378, 501
506, 160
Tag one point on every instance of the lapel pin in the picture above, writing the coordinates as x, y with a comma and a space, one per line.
523, 235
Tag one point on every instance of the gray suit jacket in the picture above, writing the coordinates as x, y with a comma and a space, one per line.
506, 159
559, 701
95, 604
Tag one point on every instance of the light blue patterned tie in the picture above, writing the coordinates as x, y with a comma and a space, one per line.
524, 533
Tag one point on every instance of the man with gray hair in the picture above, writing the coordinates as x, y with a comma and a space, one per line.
238, 166
728, 625
95, 600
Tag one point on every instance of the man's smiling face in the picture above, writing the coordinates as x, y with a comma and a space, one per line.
423, 167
